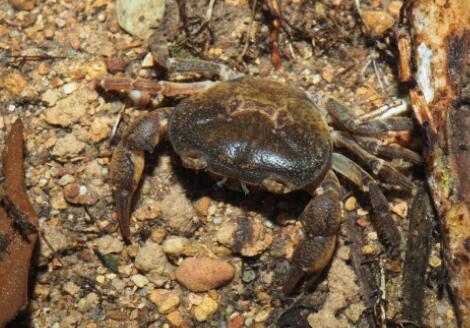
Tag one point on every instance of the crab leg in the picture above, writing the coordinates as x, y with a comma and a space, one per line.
127, 163
369, 128
150, 87
321, 220
393, 151
396, 107
381, 218
378, 166
223, 72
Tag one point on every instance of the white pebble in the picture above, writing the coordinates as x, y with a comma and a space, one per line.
69, 88
139, 280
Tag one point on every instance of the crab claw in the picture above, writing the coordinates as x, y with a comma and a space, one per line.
123, 204
311, 256
126, 169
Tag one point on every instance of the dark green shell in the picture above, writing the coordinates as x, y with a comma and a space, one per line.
251, 129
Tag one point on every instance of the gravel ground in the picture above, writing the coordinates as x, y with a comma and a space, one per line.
50, 54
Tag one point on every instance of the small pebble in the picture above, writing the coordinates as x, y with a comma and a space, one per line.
203, 274
394, 8
174, 245
177, 212
23, 4
362, 222
109, 244
147, 62
165, 300
69, 88
100, 279
57, 238
96, 69
117, 315
377, 22
71, 288
149, 209
248, 276
435, 261
262, 316
66, 111
139, 280
202, 206
79, 194
175, 318
43, 69
328, 73
150, 257
118, 284
206, 309
100, 128
343, 253
370, 249
67, 146
236, 322
66, 179
15, 83
372, 235
139, 17
158, 235
50, 97
401, 209
246, 236
117, 64
88, 302
350, 204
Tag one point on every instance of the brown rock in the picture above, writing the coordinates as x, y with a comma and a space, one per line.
96, 69
236, 322
149, 209
68, 146
14, 83
43, 69
165, 300
80, 194
100, 128
66, 111
203, 274
206, 309
175, 318
245, 236
23, 4
117, 315
202, 206
377, 22
117, 64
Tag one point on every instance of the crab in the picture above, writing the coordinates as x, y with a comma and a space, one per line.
258, 133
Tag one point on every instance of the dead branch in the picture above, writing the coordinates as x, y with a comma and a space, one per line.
439, 36
15, 249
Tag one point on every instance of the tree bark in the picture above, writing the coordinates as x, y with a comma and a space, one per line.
436, 49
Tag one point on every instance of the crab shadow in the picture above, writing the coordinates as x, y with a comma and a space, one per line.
273, 207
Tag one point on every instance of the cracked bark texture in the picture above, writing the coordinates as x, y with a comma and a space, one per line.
438, 47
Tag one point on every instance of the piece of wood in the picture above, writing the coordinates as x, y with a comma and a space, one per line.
421, 219
439, 32
15, 249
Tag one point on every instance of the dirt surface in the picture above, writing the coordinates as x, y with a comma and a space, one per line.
50, 54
